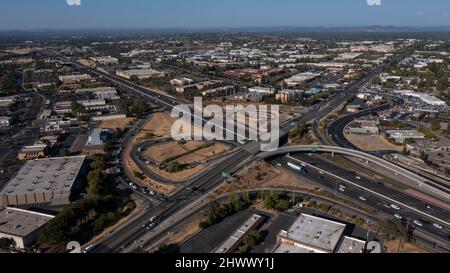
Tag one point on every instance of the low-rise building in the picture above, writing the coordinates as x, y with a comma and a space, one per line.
351, 245
262, 90
141, 74
74, 79
236, 238
103, 93
181, 82
106, 60
219, 92
354, 108
62, 107
369, 126
95, 105
22, 226
401, 135
424, 97
287, 95
99, 136
311, 234
32, 152
347, 56
301, 78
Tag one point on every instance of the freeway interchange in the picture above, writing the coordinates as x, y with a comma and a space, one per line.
124, 237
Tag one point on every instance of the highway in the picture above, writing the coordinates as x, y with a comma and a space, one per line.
205, 183
344, 182
421, 184
134, 230
336, 133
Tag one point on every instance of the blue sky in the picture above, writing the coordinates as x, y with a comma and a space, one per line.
29, 14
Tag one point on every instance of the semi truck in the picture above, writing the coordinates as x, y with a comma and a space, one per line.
301, 169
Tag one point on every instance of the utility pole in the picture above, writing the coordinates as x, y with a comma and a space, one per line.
293, 193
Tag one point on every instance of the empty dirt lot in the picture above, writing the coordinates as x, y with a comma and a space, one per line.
372, 143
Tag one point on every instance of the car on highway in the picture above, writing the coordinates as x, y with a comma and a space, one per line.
436, 225
398, 216
362, 198
358, 177
395, 207
418, 223
154, 219
151, 226
342, 187
147, 162
89, 248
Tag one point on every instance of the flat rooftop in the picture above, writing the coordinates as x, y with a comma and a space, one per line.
314, 232
351, 245
19, 222
34, 148
45, 175
285, 248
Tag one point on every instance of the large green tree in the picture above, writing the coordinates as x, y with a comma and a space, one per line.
97, 183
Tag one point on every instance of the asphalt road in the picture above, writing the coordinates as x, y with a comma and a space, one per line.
205, 183
133, 230
336, 129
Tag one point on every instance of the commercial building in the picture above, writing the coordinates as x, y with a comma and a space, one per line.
95, 105
181, 82
22, 226
104, 93
401, 135
354, 107
347, 56
52, 181
351, 245
32, 152
73, 79
219, 92
98, 137
8, 100
141, 74
301, 78
309, 56
62, 107
313, 91
236, 238
424, 97
364, 127
311, 234
262, 90
288, 95
107, 60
